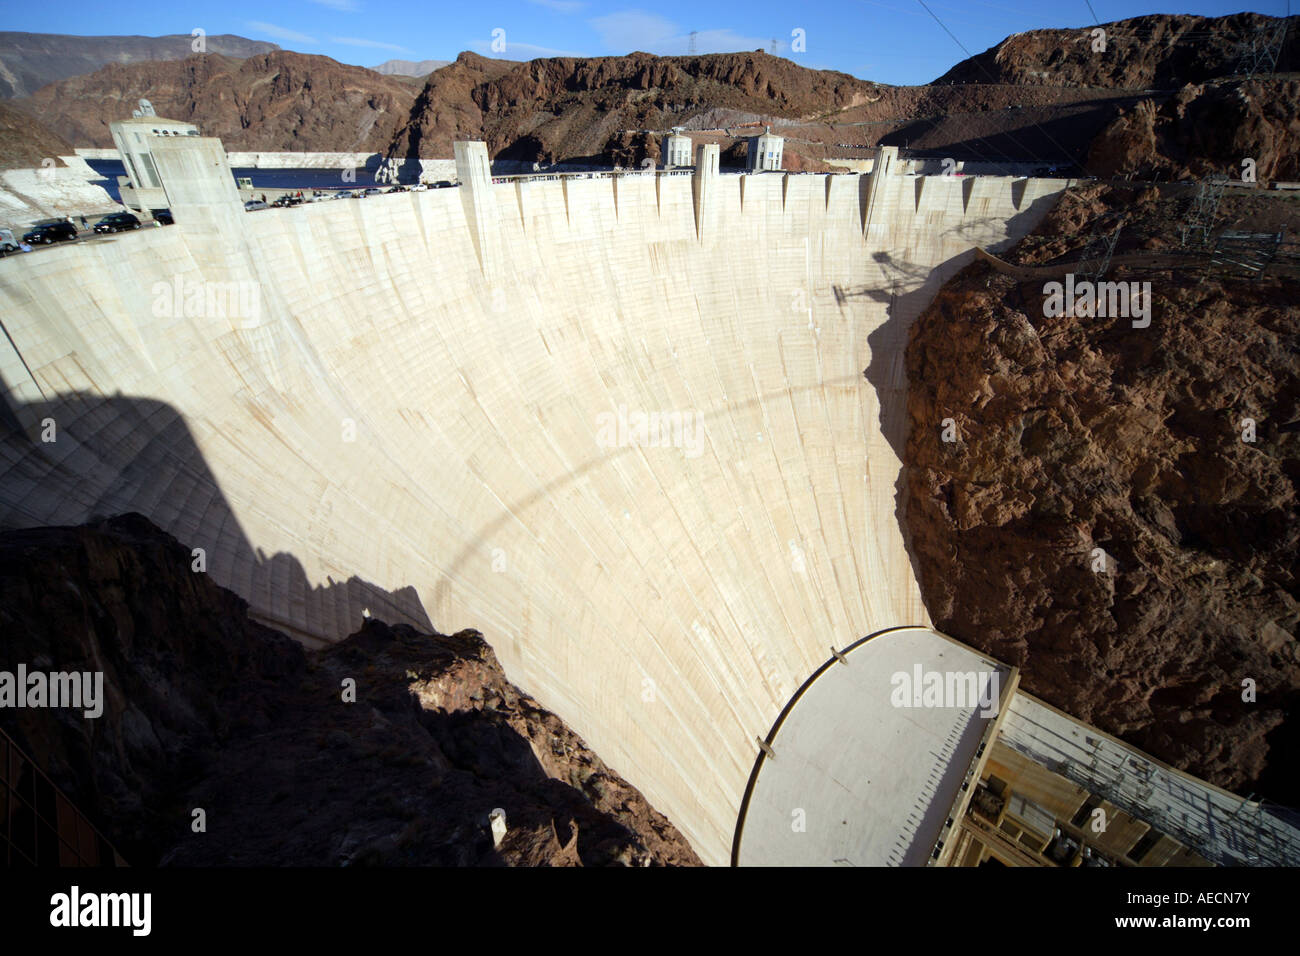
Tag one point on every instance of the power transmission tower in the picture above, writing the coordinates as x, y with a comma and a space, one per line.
691, 48
775, 45
1200, 219
1259, 52
1095, 261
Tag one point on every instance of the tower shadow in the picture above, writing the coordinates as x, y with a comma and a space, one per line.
77, 457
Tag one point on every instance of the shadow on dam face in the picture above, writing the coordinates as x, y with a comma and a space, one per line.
648, 447
79, 457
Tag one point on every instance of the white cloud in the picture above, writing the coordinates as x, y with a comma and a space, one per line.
371, 44
631, 30
559, 6
729, 41
346, 6
518, 51
280, 33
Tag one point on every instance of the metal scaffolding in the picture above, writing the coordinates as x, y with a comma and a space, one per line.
1245, 252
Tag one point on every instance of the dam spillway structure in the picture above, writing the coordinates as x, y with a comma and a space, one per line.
641, 430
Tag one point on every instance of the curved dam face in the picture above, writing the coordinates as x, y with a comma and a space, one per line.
641, 432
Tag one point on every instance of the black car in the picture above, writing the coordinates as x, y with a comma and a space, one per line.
116, 222
163, 217
51, 232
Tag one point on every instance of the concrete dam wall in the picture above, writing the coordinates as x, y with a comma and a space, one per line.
619, 425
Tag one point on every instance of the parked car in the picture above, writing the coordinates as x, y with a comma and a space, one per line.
443, 184
419, 187
116, 222
9, 245
255, 204
51, 232
163, 217
372, 191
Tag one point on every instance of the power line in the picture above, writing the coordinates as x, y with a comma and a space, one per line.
1065, 153
950, 33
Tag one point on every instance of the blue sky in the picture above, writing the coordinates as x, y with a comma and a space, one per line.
893, 41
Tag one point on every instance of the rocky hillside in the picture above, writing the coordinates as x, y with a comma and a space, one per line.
280, 101
543, 110
25, 142
29, 61
1161, 52
1206, 129
1079, 434
206, 708
1158, 99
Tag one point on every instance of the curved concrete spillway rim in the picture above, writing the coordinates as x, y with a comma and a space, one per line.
425, 418
776, 726
864, 764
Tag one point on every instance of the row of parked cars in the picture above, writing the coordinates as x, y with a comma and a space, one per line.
317, 195
48, 233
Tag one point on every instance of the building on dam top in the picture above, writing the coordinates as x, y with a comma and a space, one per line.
677, 149
134, 138
765, 152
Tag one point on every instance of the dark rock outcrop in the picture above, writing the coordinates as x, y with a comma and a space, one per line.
1159, 51
207, 709
1079, 437
1206, 130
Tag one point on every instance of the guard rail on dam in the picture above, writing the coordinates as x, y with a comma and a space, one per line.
434, 405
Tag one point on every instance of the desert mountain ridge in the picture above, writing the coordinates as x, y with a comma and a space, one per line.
29, 61
415, 68
1159, 51
1041, 95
